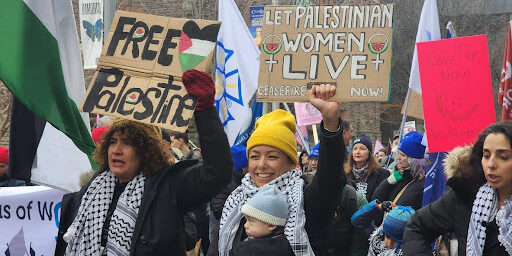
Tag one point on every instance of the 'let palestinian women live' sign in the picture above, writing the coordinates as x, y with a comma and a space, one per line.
348, 46
140, 68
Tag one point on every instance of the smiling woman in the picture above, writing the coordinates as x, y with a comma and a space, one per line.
272, 159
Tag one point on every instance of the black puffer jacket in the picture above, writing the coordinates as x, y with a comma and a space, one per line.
168, 193
448, 214
266, 246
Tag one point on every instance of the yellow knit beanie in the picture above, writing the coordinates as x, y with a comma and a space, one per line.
275, 129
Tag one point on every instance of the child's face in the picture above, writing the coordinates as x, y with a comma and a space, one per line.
255, 228
390, 242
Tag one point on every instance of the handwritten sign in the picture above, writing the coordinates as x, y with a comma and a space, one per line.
140, 68
456, 90
348, 46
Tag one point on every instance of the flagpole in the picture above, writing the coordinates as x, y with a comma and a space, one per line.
306, 144
406, 110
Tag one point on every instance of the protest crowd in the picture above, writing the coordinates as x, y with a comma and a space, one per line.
259, 187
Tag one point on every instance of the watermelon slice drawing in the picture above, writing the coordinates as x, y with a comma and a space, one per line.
195, 44
455, 108
139, 32
271, 47
132, 98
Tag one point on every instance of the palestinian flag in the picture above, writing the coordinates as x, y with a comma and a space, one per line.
195, 44
40, 64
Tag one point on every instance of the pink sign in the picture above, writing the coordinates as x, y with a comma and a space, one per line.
306, 114
456, 90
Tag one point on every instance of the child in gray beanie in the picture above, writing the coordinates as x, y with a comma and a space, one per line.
265, 217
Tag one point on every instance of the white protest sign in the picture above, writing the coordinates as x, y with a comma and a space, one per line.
29, 219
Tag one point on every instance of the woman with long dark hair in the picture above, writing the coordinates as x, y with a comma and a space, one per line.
478, 208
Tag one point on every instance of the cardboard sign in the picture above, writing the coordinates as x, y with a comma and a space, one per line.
456, 90
140, 68
348, 46
415, 105
307, 114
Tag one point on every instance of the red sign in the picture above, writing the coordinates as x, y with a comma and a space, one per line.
457, 90
505, 94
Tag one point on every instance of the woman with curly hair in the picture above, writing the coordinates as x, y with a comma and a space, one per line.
478, 207
134, 204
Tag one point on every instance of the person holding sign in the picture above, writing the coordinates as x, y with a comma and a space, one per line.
478, 208
134, 205
272, 155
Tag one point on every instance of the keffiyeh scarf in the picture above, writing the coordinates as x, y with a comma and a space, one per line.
504, 221
292, 185
484, 209
84, 234
377, 246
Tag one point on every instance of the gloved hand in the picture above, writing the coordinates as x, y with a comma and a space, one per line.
386, 206
200, 85
394, 177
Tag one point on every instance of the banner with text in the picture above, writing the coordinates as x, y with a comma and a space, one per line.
91, 31
29, 220
456, 90
140, 68
348, 46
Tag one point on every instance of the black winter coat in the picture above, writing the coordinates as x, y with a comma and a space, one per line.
451, 213
373, 181
275, 246
412, 195
168, 193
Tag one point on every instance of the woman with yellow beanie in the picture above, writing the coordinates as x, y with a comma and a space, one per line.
272, 155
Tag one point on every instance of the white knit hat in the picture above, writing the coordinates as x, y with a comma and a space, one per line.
268, 205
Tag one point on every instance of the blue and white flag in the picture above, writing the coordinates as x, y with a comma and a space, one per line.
435, 180
428, 30
236, 74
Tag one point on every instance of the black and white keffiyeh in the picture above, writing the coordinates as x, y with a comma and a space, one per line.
504, 221
484, 208
84, 234
292, 185
377, 246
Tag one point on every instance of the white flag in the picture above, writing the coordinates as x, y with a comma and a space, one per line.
428, 30
237, 68
91, 31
